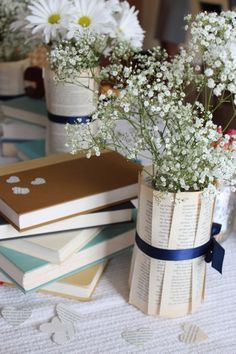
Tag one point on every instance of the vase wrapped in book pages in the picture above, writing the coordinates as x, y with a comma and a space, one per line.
164, 280
12, 78
66, 104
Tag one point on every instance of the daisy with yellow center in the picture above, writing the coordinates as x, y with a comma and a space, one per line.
54, 18
92, 15
84, 21
49, 18
128, 27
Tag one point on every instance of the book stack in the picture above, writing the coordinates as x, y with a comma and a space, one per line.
63, 217
24, 122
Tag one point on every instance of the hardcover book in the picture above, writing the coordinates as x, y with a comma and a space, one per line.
62, 189
8, 146
31, 273
15, 129
54, 248
79, 286
26, 109
112, 215
31, 149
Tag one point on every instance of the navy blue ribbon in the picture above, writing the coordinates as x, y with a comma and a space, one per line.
212, 249
5, 98
68, 120
215, 254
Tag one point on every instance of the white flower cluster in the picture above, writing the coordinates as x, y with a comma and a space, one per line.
154, 116
69, 58
214, 37
12, 44
54, 20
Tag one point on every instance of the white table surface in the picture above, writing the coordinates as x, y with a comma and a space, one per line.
109, 314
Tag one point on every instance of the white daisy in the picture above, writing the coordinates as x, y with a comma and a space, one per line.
128, 27
49, 17
94, 15
113, 5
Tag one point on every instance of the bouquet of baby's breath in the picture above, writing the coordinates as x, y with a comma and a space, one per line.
12, 44
163, 112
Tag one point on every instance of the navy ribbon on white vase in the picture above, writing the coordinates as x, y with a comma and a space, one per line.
68, 120
213, 251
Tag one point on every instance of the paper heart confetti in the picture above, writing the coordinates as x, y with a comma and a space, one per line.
66, 314
61, 332
52, 327
13, 179
20, 190
137, 337
192, 334
15, 317
64, 337
38, 181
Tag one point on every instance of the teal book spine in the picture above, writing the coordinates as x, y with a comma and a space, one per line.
32, 149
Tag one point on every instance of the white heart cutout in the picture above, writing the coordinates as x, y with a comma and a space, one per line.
20, 190
66, 314
192, 334
15, 317
138, 336
13, 179
38, 181
61, 332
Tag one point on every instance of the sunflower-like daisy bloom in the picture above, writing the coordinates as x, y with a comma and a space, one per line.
50, 18
128, 27
92, 15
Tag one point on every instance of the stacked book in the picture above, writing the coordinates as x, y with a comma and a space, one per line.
24, 121
63, 218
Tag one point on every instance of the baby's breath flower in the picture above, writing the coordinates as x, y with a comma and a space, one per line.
70, 57
12, 44
153, 118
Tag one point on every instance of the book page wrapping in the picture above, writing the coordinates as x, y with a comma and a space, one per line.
12, 77
67, 100
170, 221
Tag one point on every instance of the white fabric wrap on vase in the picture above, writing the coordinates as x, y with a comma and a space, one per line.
12, 77
170, 221
66, 101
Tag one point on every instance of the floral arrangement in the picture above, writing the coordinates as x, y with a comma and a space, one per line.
12, 44
79, 33
164, 109
214, 38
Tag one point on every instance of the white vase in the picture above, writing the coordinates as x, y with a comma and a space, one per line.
12, 78
169, 288
224, 212
66, 103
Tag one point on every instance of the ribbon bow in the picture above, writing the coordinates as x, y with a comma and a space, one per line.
216, 252
213, 251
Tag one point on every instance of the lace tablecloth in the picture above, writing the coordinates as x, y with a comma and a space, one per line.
109, 314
